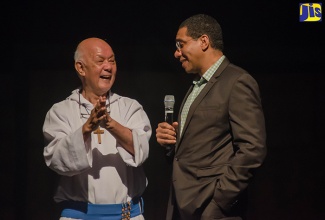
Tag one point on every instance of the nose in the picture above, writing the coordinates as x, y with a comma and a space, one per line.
178, 53
108, 65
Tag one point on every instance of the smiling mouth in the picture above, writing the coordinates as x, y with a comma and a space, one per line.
183, 62
105, 77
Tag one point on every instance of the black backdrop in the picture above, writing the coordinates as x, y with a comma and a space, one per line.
264, 37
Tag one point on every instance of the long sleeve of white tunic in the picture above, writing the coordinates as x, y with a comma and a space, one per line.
97, 173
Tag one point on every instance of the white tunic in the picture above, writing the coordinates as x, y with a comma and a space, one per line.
91, 172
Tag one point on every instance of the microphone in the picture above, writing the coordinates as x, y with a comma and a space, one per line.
169, 108
169, 112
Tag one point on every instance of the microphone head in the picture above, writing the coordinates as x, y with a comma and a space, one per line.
169, 101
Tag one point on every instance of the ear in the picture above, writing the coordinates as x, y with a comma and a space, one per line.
205, 42
79, 68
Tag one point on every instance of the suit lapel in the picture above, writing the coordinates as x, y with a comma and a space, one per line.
180, 113
199, 98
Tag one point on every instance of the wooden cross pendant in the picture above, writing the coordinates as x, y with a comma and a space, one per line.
99, 132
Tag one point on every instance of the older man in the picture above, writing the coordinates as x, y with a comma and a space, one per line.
97, 142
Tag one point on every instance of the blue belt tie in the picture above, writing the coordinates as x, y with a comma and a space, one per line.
88, 211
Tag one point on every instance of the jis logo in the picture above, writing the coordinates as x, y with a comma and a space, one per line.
310, 12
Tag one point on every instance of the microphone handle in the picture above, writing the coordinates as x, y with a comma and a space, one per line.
169, 117
169, 120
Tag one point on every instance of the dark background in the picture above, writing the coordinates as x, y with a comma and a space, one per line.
264, 37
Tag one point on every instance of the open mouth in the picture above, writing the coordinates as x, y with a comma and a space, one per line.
105, 77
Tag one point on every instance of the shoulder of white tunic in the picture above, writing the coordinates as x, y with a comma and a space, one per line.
63, 106
123, 99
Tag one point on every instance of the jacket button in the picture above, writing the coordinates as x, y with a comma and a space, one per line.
176, 159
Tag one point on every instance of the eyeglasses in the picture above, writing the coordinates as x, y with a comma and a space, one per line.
178, 46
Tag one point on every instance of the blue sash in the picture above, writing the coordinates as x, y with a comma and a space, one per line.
88, 211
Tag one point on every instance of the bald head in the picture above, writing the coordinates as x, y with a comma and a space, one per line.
96, 66
87, 47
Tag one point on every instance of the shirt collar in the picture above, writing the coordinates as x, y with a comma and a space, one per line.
209, 73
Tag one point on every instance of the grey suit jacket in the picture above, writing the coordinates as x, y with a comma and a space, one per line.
223, 140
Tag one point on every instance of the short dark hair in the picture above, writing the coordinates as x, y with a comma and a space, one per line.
200, 24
